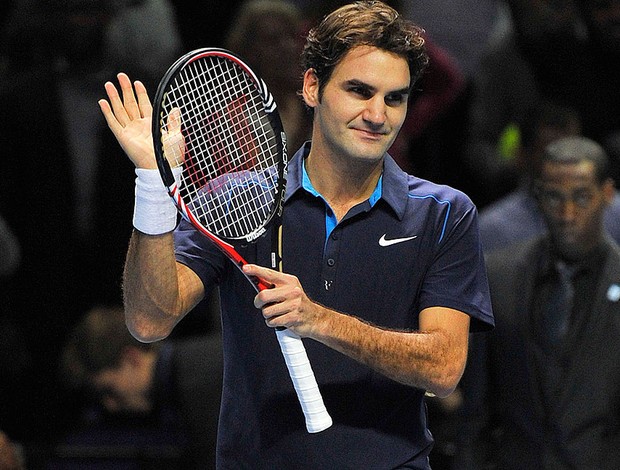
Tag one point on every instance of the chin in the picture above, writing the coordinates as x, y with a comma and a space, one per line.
371, 152
572, 252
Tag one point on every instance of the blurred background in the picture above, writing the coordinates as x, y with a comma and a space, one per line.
66, 198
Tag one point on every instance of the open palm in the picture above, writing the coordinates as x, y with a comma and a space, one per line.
129, 118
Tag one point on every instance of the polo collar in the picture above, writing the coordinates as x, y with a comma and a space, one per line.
393, 192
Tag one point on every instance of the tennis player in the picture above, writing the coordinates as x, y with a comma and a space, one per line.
383, 272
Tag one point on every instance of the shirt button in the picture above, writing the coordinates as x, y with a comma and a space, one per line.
331, 262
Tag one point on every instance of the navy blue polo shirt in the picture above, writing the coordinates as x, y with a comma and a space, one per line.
413, 245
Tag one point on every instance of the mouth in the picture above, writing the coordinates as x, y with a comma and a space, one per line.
371, 135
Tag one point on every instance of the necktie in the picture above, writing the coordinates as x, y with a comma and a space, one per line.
559, 305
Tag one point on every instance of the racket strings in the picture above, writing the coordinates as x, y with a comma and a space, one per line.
231, 163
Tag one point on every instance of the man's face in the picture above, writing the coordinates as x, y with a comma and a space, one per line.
363, 105
126, 387
573, 203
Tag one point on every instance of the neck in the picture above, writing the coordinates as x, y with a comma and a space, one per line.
577, 255
343, 184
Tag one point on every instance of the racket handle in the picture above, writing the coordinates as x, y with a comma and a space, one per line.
317, 417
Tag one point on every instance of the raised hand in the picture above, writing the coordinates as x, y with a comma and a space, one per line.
129, 119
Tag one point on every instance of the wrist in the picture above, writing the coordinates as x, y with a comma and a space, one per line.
154, 211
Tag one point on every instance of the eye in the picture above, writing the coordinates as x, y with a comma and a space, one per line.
583, 198
361, 91
395, 99
551, 198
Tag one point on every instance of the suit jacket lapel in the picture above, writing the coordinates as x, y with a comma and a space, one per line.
593, 326
529, 271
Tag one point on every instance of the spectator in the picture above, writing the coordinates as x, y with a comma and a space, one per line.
429, 138
10, 254
543, 391
144, 394
462, 28
261, 28
58, 195
516, 216
204, 25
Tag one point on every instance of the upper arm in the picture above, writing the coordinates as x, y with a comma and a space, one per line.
191, 288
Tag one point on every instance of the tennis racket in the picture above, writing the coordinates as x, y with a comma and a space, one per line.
221, 152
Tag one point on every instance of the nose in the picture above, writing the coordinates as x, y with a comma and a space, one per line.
374, 113
568, 210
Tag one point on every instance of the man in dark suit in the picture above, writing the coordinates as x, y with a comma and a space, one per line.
546, 392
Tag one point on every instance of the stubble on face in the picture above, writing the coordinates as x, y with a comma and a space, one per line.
363, 106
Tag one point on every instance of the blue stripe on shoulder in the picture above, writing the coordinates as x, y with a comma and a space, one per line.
445, 222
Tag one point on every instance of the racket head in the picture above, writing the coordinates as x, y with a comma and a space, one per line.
215, 119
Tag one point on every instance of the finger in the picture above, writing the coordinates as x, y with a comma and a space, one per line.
173, 140
270, 299
265, 274
129, 97
174, 120
281, 313
106, 110
144, 103
274, 314
117, 105
276, 322
172, 125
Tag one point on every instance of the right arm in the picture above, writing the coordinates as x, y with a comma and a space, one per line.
157, 290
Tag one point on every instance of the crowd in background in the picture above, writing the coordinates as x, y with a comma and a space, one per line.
506, 77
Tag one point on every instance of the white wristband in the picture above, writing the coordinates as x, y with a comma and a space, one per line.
154, 212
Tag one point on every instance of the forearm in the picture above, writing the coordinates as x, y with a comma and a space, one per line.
430, 360
151, 279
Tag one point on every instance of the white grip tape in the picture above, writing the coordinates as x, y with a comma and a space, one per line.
154, 212
317, 417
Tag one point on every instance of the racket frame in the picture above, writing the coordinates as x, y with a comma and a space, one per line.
172, 185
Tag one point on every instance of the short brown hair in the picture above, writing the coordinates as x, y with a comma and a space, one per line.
363, 23
96, 343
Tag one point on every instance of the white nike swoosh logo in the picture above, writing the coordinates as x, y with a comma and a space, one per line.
394, 241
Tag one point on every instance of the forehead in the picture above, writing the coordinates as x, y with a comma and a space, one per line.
568, 174
374, 66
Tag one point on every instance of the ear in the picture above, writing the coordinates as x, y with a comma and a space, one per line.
609, 191
310, 90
